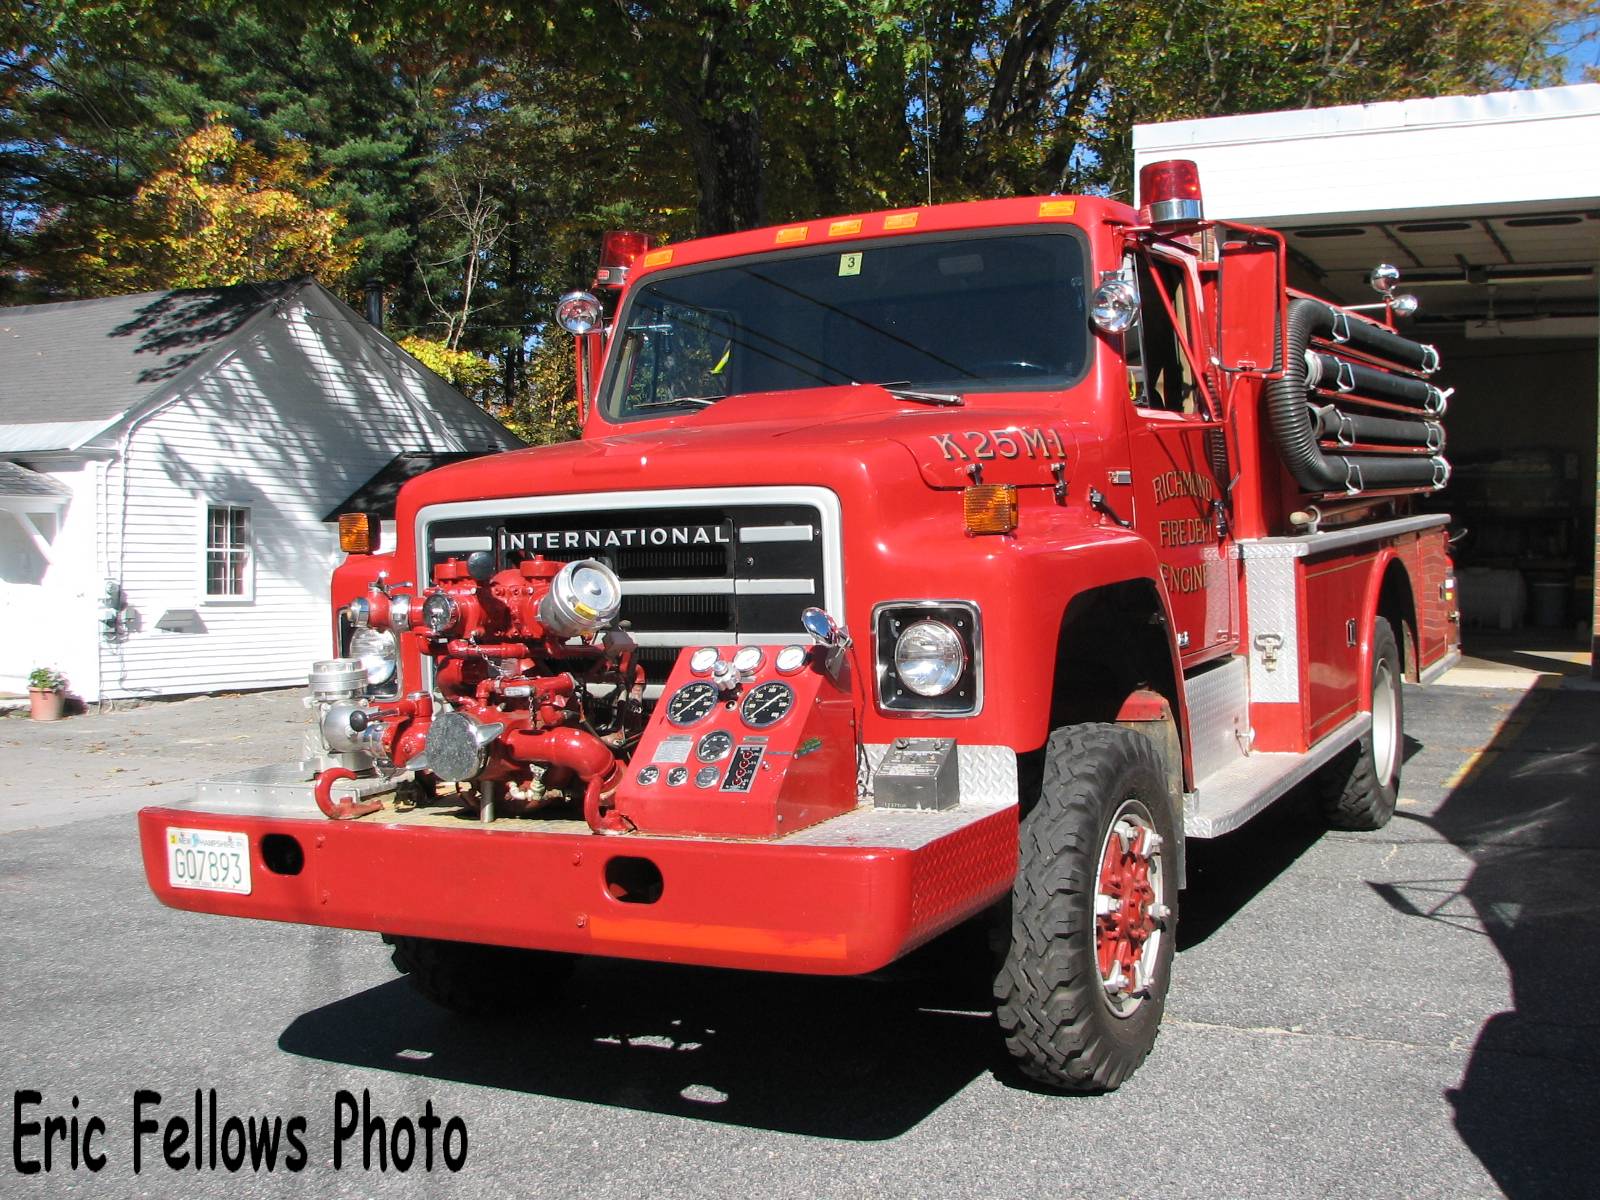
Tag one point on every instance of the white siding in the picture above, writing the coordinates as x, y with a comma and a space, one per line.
289, 425
50, 609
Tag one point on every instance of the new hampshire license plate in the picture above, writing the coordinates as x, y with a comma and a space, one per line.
208, 859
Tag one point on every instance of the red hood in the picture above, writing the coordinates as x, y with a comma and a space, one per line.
839, 437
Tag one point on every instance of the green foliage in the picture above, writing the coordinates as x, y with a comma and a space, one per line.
469, 155
46, 679
469, 373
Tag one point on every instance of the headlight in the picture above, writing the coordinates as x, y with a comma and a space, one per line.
929, 658
378, 652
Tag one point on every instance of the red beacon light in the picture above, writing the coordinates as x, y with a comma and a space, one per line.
618, 251
1169, 193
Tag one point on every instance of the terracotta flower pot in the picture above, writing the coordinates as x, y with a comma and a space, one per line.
46, 705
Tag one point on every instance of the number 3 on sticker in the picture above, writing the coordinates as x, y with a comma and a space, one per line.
850, 264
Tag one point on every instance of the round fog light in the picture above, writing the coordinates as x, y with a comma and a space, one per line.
377, 651
929, 658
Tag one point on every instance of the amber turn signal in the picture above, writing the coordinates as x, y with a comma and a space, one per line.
358, 533
990, 508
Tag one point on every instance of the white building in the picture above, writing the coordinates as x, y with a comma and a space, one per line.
166, 462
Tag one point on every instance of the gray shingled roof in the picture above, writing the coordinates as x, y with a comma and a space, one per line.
84, 361
18, 480
380, 493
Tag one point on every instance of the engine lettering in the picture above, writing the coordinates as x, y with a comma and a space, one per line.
1170, 485
1186, 532
1184, 579
983, 444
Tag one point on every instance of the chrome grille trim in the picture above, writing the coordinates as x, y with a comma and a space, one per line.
828, 527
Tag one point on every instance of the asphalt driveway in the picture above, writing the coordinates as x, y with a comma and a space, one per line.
1408, 1013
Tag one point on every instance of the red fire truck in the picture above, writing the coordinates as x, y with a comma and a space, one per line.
948, 563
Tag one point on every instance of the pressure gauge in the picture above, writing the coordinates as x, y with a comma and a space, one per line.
791, 659
715, 746
747, 661
707, 777
691, 704
766, 704
702, 660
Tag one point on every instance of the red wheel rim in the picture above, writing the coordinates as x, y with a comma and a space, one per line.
1130, 909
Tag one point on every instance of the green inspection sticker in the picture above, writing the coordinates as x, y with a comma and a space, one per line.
850, 264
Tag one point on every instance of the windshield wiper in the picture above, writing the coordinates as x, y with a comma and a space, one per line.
702, 401
940, 399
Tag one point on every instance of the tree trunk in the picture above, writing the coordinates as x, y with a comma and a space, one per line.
728, 166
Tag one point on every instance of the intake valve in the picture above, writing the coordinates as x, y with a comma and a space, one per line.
457, 747
584, 596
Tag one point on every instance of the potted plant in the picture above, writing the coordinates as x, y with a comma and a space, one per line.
47, 693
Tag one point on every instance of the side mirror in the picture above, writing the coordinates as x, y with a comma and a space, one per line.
1251, 300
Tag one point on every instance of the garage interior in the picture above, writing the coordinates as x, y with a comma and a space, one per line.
1490, 208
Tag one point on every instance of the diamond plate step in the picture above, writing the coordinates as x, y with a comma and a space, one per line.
1226, 799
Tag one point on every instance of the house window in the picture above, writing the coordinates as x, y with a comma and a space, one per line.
228, 565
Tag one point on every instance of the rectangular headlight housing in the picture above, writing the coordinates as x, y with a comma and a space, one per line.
893, 686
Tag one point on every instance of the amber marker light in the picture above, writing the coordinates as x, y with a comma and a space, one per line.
990, 508
358, 533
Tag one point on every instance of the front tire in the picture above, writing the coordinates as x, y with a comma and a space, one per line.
477, 981
1083, 982
1360, 787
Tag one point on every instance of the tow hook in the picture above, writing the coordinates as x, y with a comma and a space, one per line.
340, 810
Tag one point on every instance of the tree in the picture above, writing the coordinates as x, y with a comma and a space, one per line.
222, 212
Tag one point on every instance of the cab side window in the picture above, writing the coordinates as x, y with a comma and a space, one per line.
1160, 376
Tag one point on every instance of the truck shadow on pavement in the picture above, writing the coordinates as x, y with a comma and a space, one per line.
1527, 812
849, 1059
1226, 873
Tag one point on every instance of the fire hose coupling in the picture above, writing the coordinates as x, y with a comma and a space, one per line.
584, 596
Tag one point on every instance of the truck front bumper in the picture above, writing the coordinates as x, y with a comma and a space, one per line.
842, 898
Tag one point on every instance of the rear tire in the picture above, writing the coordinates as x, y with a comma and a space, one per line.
1083, 982
1359, 788
475, 980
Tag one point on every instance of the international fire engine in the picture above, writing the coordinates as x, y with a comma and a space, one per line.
948, 563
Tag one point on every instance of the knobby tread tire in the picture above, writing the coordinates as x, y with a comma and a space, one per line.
1352, 795
1050, 999
475, 980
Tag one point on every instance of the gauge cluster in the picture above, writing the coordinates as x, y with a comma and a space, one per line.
727, 683
737, 743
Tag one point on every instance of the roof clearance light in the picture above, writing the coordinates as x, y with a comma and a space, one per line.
1169, 193
618, 250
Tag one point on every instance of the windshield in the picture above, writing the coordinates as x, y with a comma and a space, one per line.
960, 315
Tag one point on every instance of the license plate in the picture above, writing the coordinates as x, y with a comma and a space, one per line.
208, 859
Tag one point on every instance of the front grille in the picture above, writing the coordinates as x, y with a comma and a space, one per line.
710, 614
740, 571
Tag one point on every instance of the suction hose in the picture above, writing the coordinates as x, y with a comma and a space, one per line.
1296, 435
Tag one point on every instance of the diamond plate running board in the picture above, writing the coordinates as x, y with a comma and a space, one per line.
1225, 800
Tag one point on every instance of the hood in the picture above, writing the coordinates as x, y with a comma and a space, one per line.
841, 437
